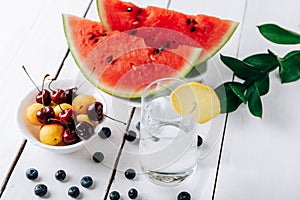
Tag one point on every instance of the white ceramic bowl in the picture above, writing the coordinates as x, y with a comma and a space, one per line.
31, 132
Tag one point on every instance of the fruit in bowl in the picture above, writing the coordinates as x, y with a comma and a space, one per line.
60, 125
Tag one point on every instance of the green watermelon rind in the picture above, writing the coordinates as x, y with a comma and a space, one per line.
224, 41
68, 37
191, 60
103, 21
208, 54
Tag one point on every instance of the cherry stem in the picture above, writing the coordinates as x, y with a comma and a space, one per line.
49, 86
43, 91
30, 78
114, 119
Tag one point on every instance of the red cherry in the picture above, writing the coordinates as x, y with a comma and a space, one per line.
58, 96
43, 97
95, 111
45, 114
67, 116
70, 95
70, 137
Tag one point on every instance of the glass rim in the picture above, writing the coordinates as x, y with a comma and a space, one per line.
160, 80
145, 93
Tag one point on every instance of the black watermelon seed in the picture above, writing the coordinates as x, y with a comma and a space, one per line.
109, 59
133, 32
93, 36
156, 51
162, 48
96, 40
130, 135
98, 157
183, 196
129, 9
104, 34
104, 133
199, 140
168, 45
194, 21
188, 21
132, 193
193, 29
130, 173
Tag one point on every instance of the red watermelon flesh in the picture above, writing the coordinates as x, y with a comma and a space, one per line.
210, 33
120, 63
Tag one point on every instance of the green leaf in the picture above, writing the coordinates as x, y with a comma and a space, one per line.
289, 69
264, 62
254, 101
279, 35
239, 68
263, 85
228, 99
239, 90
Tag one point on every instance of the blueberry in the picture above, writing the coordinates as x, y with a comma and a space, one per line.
184, 196
86, 181
60, 175
104, 133
74, 191
199, 140
98, 157
138, 126
130, 135
32, 174
114, 195
130, 173
132, 193
40, 190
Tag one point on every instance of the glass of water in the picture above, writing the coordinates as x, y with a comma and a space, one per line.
168, 141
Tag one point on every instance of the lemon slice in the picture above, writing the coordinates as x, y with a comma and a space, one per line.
196, 98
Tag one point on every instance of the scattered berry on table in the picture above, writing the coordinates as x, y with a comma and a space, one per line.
32, 173
199, 140
130, 135
114, 195
104, 133
184, 196
86, 181
98, 157
74, 191
40, 190
60, 175
84, 130
132, 193
130, 173
138, 126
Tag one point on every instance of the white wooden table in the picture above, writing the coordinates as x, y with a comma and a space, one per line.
251, 158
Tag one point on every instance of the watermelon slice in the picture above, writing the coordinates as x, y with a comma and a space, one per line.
120, 63
210, 33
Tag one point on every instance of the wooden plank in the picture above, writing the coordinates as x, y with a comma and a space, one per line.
260, 155
32, 37
75, 164
201, 184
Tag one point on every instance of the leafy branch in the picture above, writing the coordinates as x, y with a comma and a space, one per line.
254, 72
